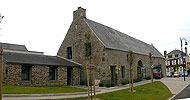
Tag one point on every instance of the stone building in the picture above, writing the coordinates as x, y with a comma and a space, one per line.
174, 61
107, 50
28, 68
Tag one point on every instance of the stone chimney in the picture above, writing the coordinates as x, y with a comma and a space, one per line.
80, 13
165, 53
186, 51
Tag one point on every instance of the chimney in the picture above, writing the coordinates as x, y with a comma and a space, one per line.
80, 13
186, 51
165, 53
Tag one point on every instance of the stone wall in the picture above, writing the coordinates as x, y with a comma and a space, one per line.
119, 58
39, 75
101, 57
76, 38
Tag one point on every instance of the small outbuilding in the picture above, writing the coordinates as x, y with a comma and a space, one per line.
23, 67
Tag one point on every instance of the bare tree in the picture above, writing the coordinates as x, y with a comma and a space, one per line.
130, 58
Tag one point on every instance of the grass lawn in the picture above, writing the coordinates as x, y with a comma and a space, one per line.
11, 89
144, 92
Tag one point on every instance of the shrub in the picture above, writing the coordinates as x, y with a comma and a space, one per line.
124, 83
137, 80
82, 83
108, 84
112, 84
148, 78
101, 84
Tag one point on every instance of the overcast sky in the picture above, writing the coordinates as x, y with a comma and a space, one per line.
41, 25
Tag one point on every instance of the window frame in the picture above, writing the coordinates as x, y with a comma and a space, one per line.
122, 72
69, 52
54, 73
26, 70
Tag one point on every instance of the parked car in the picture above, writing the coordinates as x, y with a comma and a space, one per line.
176, 74
169, 74
158, 75
186, 74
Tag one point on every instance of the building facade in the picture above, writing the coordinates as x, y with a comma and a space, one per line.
107, 50
174, 61
23, 67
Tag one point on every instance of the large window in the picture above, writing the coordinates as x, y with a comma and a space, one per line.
88, 49
69, 52
122, 71
52, 73
25, 72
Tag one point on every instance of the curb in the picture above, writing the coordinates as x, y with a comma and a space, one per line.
172, 98
44, 95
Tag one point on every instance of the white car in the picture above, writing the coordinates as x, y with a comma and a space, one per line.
169, 74
176, 74
186, 74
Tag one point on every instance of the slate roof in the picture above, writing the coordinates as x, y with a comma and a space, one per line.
22, 58
176, 52
14, 47
114, 39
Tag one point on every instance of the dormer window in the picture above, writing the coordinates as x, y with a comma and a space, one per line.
169, 56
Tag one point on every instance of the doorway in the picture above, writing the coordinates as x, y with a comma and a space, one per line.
69, 76
112, 68
139, 71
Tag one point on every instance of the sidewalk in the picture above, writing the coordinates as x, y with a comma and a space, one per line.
99, 90
175, 85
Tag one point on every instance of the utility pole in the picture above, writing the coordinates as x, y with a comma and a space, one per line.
151, 68
1, 73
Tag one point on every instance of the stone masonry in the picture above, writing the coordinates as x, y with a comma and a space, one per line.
39, 75
102, 58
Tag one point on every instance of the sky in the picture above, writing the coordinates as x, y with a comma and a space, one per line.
41, 25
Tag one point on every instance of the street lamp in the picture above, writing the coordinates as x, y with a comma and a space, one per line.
182, 54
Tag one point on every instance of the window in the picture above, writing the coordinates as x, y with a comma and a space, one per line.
25, 72
167, 70
122, 71
174, 62
180, 69
52, 73
88, 49
69, 52
169, 56
176, 55
168, 62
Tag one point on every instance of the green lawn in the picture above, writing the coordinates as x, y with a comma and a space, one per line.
11, 89
144, 92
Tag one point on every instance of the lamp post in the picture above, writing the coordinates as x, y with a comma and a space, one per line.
181, 40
